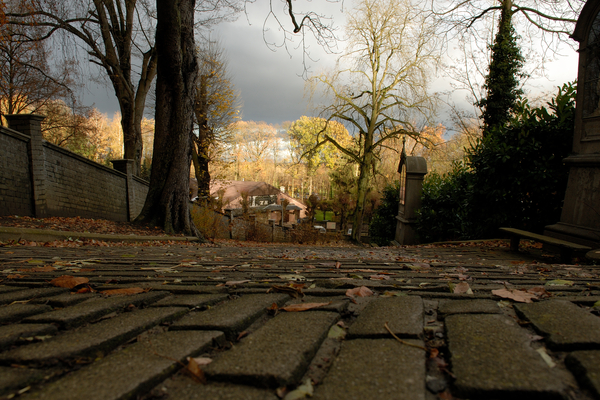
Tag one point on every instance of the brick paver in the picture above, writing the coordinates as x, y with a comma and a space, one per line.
491, 356
278, 353
403, 315
55, 343
376, 369
91, 340
132, 370
567, 326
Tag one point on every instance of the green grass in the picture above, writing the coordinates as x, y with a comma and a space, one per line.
319, 216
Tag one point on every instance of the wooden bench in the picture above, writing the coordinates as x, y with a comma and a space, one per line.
566, 248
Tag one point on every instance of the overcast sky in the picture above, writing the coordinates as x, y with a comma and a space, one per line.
269, 82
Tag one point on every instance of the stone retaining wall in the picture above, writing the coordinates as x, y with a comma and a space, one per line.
40, 179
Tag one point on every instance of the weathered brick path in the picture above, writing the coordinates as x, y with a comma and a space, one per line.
55, 344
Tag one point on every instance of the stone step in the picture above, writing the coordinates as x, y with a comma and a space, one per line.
376, 369
92, 340
277, 354
491, 357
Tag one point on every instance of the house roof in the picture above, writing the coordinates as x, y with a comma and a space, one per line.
233, 192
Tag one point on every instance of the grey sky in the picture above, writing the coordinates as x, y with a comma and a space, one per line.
269, 82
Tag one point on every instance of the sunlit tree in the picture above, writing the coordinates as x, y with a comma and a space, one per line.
379, 88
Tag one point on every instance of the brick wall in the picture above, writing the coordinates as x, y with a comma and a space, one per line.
40, 179
15, 174
140, 191
76, 186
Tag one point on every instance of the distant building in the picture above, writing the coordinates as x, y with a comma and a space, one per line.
260, 195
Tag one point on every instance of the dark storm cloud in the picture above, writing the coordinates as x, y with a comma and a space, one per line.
270, 87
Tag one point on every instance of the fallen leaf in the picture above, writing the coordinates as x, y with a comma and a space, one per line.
462, 288
125, 291
85, 289
301, 392
379, 277
336, 332
233, 283
292, 291
362, 291
560, 282
549, 361
303, 306
540, 292
202, 360
292, 277
194, 371
15, 276
520, 296
45, 268
69, 281
338, 264
393, 294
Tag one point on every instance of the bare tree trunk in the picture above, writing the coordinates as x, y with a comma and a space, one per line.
202, 144
167, 204
361, 195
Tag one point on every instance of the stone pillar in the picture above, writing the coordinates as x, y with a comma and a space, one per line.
126, 167
31, 125
412, 171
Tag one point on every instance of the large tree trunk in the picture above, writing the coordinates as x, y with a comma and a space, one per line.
167, 204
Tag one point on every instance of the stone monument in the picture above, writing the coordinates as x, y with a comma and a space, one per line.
412, 171
580, 218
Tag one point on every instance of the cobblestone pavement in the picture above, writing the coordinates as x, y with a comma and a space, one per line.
414, 338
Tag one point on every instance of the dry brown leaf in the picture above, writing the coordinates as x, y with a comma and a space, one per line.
202, 360
379, 277
362, 291
303, 306
520, 296
15, 276
540, 292
68, 281
295, 292
338, 264
125, 291
45, 268
233, 283
462, 287
193, 370
85, 289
